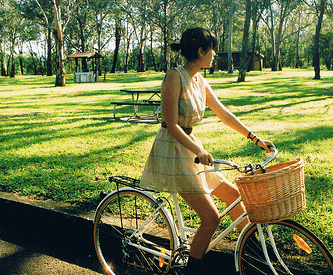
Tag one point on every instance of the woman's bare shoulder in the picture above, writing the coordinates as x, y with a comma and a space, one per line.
173, 74
172, 78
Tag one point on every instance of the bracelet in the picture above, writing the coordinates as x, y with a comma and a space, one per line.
252, 138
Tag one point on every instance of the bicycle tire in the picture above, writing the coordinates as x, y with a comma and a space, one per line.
251, 259
116, 219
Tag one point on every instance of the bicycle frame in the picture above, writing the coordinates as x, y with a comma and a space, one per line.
184, 232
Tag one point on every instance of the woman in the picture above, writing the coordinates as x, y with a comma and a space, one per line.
170, 166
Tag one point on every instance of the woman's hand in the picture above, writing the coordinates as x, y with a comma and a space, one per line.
265, 145
205, 158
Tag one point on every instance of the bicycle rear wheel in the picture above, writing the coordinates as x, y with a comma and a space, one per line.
138, 227
300, 250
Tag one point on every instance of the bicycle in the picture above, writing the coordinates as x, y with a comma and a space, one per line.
143, 226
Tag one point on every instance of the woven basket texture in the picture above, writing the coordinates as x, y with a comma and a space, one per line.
275, 195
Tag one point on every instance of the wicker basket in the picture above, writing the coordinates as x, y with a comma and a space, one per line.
275, 195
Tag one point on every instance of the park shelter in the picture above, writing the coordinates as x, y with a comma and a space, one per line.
222, 60
84, 77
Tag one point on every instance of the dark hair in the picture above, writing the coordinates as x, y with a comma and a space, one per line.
192, 40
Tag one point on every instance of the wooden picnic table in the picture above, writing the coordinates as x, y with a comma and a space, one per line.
153, 100
153, 93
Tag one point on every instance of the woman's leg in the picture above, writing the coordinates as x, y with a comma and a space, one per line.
228, 193
204, 206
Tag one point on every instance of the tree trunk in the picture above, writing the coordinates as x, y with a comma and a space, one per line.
316, 53
244, 54
127, 53
4, 68
141, 57
166, 64
21, 61
115, 56
33, 62
152, 52
83, 44
253, 51
12, 70
49, 53
277, 50
230, 64
60, 66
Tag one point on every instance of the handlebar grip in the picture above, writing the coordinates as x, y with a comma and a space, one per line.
269, 147
197, 161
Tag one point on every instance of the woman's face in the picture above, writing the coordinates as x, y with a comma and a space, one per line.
207, 58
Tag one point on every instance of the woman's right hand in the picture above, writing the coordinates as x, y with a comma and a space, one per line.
205, 158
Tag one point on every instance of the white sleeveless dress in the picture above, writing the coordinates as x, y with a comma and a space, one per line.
170, 166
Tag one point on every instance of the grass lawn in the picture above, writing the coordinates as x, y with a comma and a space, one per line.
62, 142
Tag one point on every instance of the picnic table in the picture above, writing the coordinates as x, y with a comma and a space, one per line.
154, 100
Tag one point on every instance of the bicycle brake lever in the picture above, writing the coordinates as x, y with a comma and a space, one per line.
212, 170
215, 169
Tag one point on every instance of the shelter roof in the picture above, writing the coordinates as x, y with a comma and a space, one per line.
85, 55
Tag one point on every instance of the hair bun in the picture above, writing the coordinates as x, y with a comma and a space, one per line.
175, 47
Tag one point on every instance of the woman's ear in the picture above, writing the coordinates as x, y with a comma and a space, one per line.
200, 52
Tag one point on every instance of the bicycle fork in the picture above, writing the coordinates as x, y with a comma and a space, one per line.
273, 245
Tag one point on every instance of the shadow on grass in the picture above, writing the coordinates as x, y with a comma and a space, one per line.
52, 175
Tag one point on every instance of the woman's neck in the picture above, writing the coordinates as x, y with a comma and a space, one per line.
192, 68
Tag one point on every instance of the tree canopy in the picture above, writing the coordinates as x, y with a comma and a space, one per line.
36, 36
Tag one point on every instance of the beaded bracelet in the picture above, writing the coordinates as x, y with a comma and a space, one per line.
252, 138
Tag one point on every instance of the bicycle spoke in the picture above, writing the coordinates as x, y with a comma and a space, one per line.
284, 252
142, 228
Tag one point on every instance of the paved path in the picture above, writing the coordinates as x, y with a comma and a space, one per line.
15, 259
44, 237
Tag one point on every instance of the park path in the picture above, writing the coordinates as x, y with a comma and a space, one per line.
46, 238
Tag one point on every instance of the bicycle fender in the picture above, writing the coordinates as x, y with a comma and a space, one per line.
239, 241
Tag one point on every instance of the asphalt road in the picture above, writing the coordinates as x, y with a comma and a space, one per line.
39, 240
38, 243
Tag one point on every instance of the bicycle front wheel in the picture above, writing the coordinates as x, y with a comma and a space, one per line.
300, 251
138, 225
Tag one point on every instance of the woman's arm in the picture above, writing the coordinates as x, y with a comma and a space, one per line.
230, 119
171, 92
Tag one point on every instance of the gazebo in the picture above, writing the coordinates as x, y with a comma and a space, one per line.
84, 77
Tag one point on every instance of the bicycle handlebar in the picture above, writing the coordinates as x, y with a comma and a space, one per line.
246, 168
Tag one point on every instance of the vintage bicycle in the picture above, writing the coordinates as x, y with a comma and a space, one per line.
142, 225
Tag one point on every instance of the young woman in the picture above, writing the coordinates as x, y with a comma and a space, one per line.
170, 166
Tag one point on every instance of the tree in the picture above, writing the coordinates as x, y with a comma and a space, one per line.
244, 54
58, 34
231, 14
3, 41
60, 66
163, 15
31, 11
79, 29
102, 10
14, 27
138, 12
316, 54
118, 38
258, 7
278, 14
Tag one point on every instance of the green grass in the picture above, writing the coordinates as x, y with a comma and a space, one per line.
62, 142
